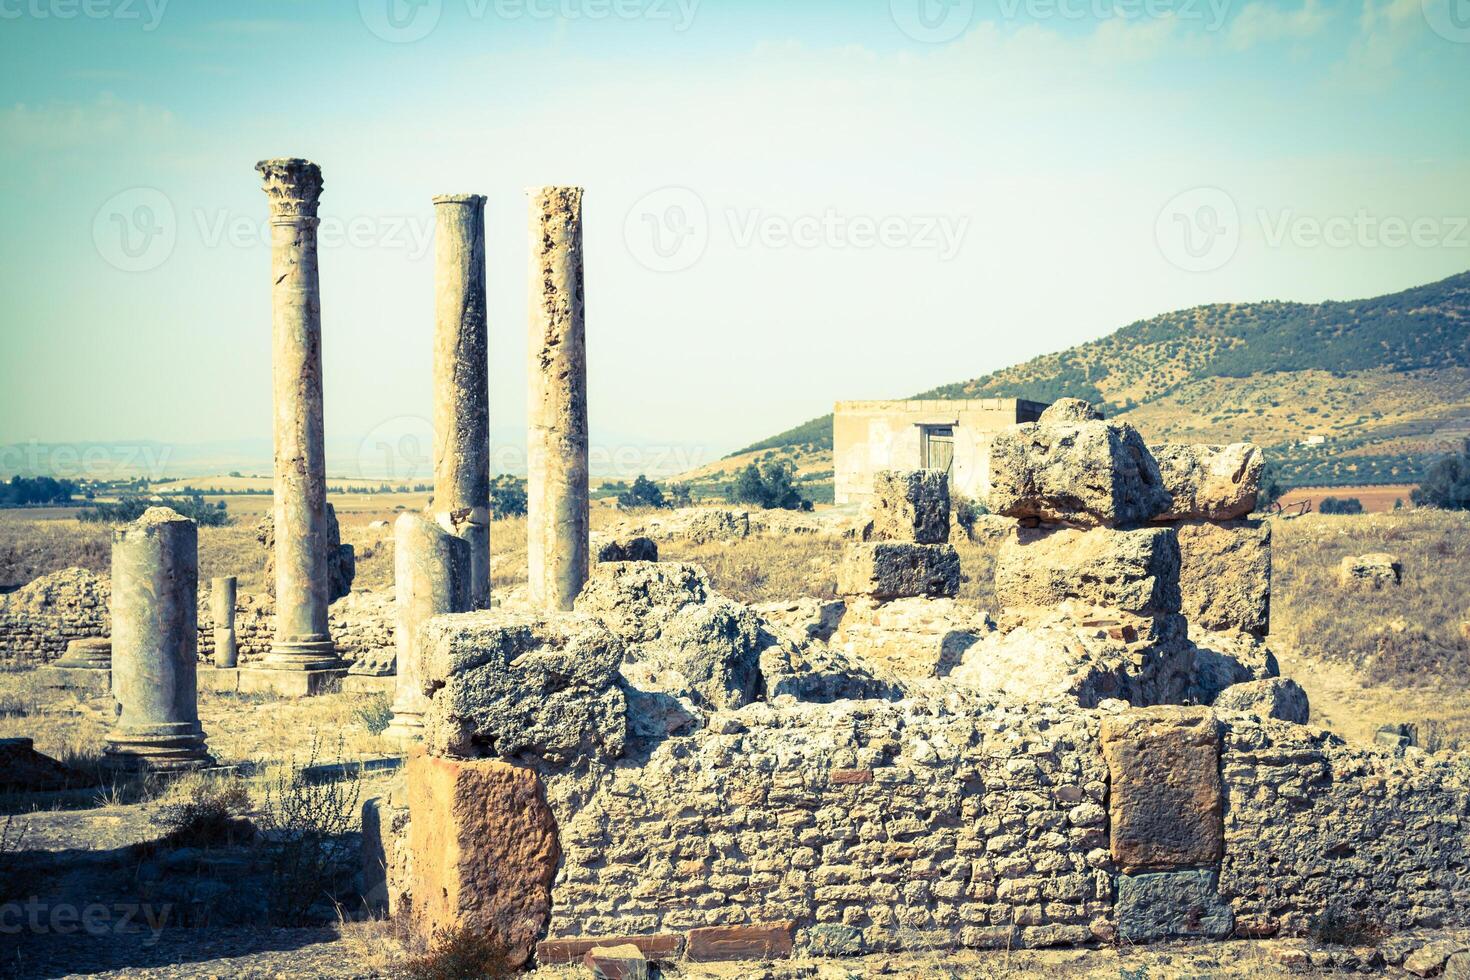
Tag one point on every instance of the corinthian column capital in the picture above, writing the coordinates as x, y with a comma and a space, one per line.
294, 187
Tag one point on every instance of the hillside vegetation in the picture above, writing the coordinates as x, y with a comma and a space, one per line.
1383, 382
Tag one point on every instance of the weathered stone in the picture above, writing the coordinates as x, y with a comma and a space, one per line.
222, 612
1215, 483
834, 939
1169, 904
516, 685
1277, 697
90, 653
891, 570
557, 522
433, 574
570, 949
714, 524
802, 620
484, 851
1225, 575
23, 769
910, 505
1457, 967
625, 962
1224, 659
910, 637
757, 941
341, 558
461, 501
1429, 960
302, 640
631, 549
1067, 653
820, 674
155, 630
387, 865
1371, 572
38, 620
1165, 799
1135, 571
1088, 474
1066, 411
715, 647
637, 599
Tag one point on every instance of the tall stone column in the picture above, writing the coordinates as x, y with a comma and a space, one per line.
155, 616
461, 383
557, 521
432, 571
302, 640
222, 611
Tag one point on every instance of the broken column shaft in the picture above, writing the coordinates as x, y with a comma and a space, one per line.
155, 582
302, 639
222, 612
556, 512
432, 573
461, 383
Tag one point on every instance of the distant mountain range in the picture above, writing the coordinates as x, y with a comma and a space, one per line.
1359, 391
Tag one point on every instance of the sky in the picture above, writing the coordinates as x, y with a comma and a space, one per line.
788, 203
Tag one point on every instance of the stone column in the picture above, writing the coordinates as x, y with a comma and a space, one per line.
222, 609
461, 502
302, 640
432, 572
557, 520
155, 598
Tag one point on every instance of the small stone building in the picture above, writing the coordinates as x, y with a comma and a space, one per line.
923, 433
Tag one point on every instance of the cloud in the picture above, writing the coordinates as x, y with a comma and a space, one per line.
59, 126
1263, 23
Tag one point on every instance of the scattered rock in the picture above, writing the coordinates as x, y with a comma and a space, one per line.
632, 549
1374, 571
637, 599
1430, 960
1224, 659
625, 962
1277, 697
1214, 483
1065, 411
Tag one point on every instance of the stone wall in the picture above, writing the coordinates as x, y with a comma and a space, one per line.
37, 621
869, 825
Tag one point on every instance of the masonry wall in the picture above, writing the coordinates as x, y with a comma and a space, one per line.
868, 436
1309, 820
870, 826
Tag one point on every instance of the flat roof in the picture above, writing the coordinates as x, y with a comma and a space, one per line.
938, 405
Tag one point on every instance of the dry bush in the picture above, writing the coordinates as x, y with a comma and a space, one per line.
1337, 925
462, 955
375, 712
204, 811
1410, 635
311, 826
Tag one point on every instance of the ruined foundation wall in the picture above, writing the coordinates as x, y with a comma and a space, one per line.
871, 826
1310, 820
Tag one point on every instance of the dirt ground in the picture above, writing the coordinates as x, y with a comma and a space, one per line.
1375, 499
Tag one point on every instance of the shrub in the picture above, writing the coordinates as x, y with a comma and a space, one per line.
771, 489
376, 713
1336, 925
462, 955
643, 493
680, 494
1447, 485
208, 814
1332, 505
507, 496
310, 825
131, 508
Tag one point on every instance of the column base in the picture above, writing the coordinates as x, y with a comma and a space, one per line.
302, 653
158, 748
289, 683
405, 728
93, 680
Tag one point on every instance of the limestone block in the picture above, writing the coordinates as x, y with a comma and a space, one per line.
1069, 410
514, 684
909, 637
1276, 697
630, 549
1169, 904
484, 851
625, 962
891, 570
714, 648
820, 674
1062, 653
637, 599
1225, 575
910, 505
1215, 483
1224, 659
570, 949
1089, 474
705, 525
757, 941
1432, 958
1135, 571
1370, 572
1165, 800
387, 867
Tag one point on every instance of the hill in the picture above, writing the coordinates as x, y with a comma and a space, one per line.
1378, 386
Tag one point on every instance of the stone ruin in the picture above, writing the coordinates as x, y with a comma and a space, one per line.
1113, 758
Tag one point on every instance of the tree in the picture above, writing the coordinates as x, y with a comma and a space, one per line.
507, 496
1332, 505
680, 495
643, 493
772, 489
748, 487
1447, 484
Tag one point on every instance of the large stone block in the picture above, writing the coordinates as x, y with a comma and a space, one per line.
636, 599
1370, 572
1275, 697
1165, 799
1215, 483
484, 852
1225, 659
714, 649
1136, 571
512, 685
1089, 474
1170, 904
908, 638
910, 505
1225, 575
757, 941
892, 570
